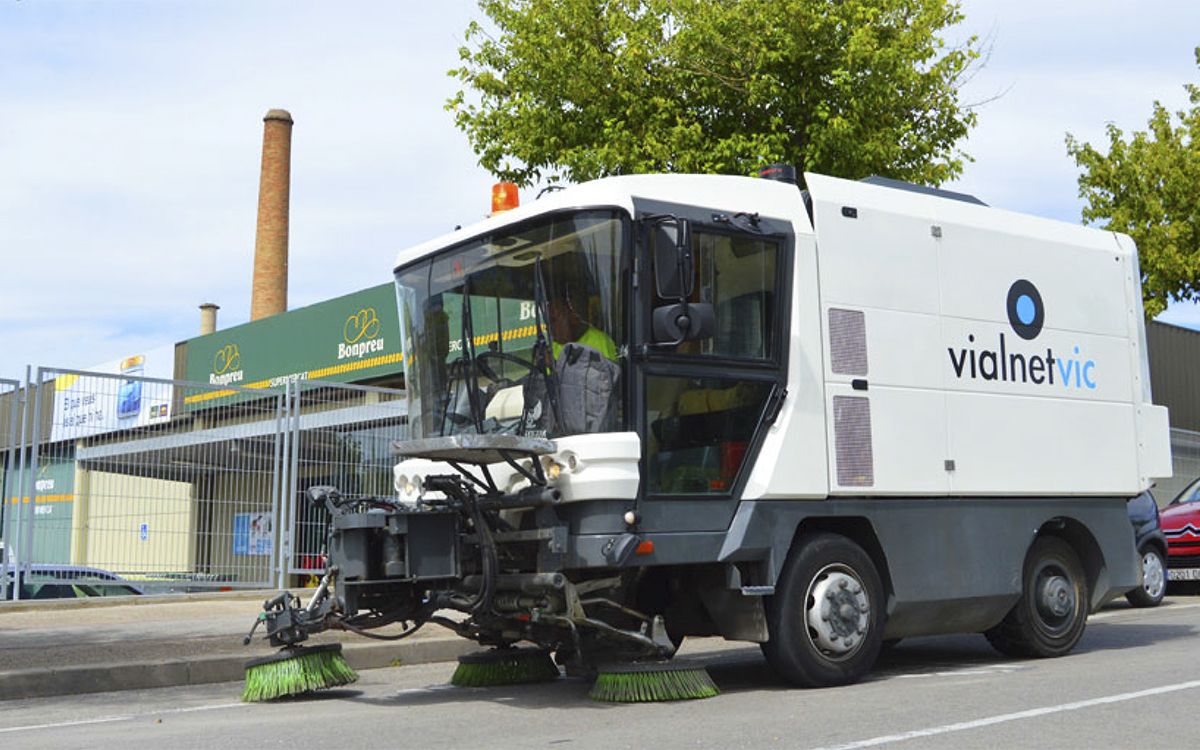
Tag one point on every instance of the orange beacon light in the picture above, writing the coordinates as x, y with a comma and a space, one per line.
504, 197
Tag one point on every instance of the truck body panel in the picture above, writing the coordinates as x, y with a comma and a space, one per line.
960, 401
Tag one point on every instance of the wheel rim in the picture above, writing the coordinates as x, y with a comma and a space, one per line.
837, 612
1154, 578
1055, 600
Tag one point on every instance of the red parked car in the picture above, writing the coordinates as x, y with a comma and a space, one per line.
1181, 525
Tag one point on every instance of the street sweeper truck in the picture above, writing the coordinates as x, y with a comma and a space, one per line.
650, 407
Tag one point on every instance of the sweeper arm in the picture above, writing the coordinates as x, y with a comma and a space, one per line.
287, 622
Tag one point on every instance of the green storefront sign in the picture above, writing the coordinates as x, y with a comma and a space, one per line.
347, 339
499, 323
50, 512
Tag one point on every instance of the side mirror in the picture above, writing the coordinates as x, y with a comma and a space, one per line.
674, 271
681, 322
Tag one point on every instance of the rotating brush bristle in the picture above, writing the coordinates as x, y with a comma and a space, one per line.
297, 670
646, 682
504, 666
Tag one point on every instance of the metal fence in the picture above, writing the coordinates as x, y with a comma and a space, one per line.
175, 486
341, 436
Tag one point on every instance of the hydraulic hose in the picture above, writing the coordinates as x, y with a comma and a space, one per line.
457, 489
368, 634
487, 550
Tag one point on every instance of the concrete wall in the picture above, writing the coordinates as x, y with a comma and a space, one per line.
131, 524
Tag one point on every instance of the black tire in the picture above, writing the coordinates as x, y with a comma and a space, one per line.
1049, 618
1153, 586
820, 635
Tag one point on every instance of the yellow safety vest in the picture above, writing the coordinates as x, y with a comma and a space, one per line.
595, 338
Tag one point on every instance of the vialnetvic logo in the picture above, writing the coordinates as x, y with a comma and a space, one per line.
1026, 315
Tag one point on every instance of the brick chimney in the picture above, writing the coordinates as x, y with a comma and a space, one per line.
269, 293
208, 317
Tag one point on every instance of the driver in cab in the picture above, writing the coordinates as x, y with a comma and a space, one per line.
567, 326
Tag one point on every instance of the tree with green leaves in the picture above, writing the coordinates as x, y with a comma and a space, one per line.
578, 89
1148, 186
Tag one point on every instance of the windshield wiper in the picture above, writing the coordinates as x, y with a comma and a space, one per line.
472, 377
541, 314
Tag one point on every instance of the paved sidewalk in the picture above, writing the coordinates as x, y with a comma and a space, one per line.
96, 645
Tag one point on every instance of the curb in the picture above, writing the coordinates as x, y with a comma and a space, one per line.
102, 678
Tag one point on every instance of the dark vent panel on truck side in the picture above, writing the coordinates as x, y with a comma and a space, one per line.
847, 342
852, 441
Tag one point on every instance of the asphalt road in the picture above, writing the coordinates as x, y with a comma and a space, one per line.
1132, 672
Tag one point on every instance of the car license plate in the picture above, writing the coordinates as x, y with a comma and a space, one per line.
1183, 574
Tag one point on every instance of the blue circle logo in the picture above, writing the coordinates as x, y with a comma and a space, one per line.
1025, 310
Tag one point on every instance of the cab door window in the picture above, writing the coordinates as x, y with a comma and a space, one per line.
736, 274
699, 431
700, 427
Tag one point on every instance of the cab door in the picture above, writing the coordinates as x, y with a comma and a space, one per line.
702, 405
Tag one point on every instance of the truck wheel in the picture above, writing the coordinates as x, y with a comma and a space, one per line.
1049, 618
1154, 580
826, 620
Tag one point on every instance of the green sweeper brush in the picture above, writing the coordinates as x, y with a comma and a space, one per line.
504, 666
647, 682
296, 670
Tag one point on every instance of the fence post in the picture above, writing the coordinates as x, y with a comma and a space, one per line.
19, 528
35, 392
283, 449
293, 474
34, 463
5, 513
10, 483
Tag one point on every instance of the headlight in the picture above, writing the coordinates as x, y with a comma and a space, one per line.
409, 487
552, 468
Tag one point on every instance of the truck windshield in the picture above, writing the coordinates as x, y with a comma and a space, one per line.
517, 333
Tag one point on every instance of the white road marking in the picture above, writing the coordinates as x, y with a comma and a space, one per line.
432, 689
130, 717
965, 672
1032, 713
31, 727
194, 709
1139, 611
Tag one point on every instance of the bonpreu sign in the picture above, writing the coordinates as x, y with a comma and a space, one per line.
347, 339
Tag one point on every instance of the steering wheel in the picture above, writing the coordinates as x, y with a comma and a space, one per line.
482, 362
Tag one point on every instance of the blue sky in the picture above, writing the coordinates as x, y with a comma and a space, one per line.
130, 137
